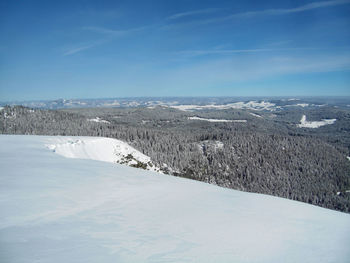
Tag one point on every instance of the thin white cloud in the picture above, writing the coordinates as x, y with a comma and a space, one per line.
229, 71
195, 53
266, 12
110, 33
283, 11
192, 13
247, 68
75, 50
107, 31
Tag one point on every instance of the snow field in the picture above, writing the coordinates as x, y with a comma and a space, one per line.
314, 124
215, 120
57, 209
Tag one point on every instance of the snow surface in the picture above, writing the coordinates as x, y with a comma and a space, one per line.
214, 120
314, 124
98, 119
303, 105
56, 209
252, 105
99, 149
255, 115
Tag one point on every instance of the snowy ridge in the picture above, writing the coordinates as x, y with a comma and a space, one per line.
314, 124
214, 120
252, 105
57, 209
100, 149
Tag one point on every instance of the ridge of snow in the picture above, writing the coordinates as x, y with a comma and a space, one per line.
56, 209
252, 105
99, 149
214, 120
314, 124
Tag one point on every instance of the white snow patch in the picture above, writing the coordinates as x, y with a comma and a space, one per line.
68, 210
348, 157
302, 105
99, 149
255, 115
1, 108
314, 124
214, 120
98, 119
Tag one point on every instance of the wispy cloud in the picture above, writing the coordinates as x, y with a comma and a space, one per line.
109, 34
112, 32
192, 13
283, 11
249, 68
265, 12
81, 47
195, 53
75, 50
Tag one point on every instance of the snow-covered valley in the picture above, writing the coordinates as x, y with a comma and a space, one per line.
58, 209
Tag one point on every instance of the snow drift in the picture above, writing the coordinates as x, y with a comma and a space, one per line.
57, 209
100, 149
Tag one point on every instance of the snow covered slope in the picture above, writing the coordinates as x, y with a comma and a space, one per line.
100, 149
57, 209
314, 124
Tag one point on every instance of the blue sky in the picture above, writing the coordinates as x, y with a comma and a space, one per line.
99, 49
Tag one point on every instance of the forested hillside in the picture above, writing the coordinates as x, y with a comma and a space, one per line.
266, 153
